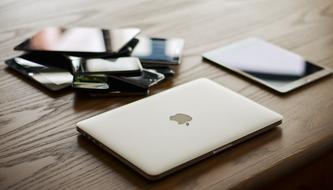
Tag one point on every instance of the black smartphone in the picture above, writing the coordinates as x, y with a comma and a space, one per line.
165, 70
102, 85
129, 66
147, 78
50, 70
105, 83
159, 51
79, 41
120, 92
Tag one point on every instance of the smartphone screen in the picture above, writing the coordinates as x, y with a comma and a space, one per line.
266, 62
122, 65
79, 40
158, 50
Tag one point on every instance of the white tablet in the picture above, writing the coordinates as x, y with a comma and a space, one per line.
166, 132
270, 65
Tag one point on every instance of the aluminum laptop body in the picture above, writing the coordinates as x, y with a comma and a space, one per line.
171, 130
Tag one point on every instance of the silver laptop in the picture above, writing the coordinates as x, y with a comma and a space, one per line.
171, 130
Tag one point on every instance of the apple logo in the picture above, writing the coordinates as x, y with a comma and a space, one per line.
181, 119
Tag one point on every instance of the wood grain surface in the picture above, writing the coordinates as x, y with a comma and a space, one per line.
40, 148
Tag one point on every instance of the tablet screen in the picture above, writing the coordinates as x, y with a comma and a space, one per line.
264, 61
79, 40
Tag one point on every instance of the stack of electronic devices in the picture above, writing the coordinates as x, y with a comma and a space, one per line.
99, 62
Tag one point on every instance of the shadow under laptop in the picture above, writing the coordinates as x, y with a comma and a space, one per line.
113, 163
83, 101
234, 156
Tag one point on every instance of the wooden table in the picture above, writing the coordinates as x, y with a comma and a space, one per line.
41, 149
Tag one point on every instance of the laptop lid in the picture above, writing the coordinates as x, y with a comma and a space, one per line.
167, 131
